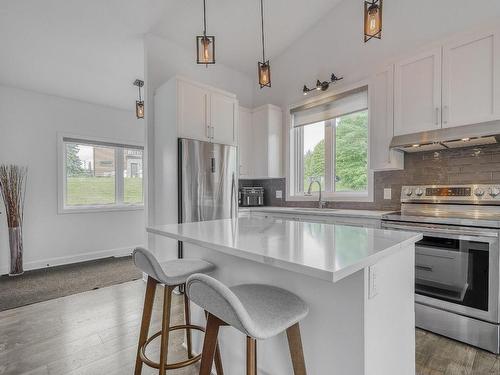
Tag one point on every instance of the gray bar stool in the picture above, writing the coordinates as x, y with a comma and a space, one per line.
171, 274
259, 311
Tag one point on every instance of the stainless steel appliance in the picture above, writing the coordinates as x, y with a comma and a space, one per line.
457, 263
207, 182
251, 196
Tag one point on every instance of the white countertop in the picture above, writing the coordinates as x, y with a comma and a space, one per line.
325, 251
369, 214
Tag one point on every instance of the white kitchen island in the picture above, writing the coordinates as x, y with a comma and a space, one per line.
358, 282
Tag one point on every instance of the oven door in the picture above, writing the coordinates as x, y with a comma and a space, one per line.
456, 268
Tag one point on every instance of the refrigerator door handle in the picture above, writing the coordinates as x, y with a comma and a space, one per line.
233, 197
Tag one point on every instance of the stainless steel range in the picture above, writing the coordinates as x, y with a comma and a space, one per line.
457, 265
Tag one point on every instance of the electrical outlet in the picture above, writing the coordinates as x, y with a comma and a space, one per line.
387, 193
373, 285
279, 194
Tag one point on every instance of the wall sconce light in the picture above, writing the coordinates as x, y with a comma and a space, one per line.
139, 104
205, 44
264, 67
322, 86
373, 19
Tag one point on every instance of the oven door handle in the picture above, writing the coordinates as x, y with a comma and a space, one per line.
415, 227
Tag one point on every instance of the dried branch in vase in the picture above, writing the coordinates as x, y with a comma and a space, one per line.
13, 189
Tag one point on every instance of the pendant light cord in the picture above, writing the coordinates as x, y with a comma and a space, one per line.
205, 18
262, 19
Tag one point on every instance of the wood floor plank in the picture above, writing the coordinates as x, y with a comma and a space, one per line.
96, 332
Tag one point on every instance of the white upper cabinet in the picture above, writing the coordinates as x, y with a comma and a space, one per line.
381, 109
245, 143
471, 79
417, 93
206, 113
223, 120
267, 124
193, 111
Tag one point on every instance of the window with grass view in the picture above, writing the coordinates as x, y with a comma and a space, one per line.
101, 174
331, 146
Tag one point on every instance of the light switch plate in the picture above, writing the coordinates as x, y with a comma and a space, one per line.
279, 194
373, 285
387, 193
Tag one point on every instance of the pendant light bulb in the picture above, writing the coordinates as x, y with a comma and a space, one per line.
373, 19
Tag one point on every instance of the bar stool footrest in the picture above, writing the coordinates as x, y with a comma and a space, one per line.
171, 366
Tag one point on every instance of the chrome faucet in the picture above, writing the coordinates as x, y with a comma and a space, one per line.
321, 204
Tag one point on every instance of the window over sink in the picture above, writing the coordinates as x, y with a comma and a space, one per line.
100, 175
329, 143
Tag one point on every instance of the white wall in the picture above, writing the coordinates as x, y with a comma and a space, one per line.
165, 59
29, 123
336, 43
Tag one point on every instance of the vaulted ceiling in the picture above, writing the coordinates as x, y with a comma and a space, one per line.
92, 49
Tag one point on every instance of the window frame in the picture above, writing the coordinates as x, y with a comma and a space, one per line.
119, 205
295, 159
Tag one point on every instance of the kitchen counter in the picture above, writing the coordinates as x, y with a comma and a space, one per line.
370, 214
328, 252
357, 281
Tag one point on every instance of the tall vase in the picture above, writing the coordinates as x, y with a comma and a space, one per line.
16, 251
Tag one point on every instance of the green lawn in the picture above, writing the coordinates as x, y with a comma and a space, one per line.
101, 190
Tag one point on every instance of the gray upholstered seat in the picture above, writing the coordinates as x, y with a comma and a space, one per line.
259, 311
172, 272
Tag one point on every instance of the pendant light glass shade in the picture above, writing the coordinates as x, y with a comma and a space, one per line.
205, 49
264, 74
373, 19
139, 109
205, 44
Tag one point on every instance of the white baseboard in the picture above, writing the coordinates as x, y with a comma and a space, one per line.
59, 261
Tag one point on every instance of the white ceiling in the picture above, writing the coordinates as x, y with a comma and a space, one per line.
92, 50
237, 27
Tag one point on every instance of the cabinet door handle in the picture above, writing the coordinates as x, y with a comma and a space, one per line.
213, 132
437, 115
208, 131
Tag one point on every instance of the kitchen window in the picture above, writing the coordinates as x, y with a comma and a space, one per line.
100, 176
329, 143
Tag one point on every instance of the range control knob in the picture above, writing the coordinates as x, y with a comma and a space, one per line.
478, 192
494, 191
419, 192
408, 192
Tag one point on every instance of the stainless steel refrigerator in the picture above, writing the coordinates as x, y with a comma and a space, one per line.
208, 182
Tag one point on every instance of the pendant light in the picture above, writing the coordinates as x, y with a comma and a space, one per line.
373, 19
264, 67
205, 44
139, 104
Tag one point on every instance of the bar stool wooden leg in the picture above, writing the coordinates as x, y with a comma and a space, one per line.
218, 359
187, 317
146, 320
251, 356
296, 351
210, 344
165, 329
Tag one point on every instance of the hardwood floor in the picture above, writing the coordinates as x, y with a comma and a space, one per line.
96, 333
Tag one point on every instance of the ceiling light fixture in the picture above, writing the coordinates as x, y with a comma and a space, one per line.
264, 67
205, 44
373, 19
139, 104
321, 86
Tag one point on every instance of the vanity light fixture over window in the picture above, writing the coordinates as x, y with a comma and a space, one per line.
205, 44
139, 104
373, 19
264, 67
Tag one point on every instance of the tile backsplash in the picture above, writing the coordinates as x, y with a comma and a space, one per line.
480, 164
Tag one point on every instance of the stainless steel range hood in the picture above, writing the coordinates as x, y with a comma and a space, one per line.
442, 139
